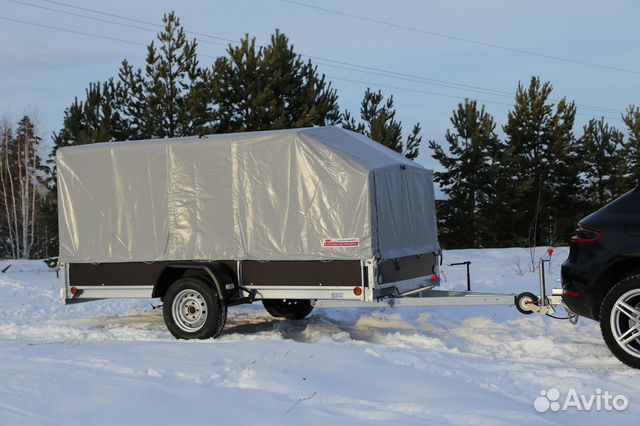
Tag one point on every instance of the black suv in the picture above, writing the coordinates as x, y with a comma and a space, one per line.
601, 277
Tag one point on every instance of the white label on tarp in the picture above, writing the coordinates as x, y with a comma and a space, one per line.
341, 242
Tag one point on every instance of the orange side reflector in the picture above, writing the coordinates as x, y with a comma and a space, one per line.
357, 291
74, 290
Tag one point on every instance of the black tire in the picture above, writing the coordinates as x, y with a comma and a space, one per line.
616, 321
293, 309
521, 302
192, 309
222, 321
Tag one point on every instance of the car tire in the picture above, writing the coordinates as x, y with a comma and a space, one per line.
192, 309
293, 309
620, 320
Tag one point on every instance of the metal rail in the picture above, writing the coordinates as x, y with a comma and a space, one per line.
428, 298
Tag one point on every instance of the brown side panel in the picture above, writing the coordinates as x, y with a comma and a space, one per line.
292, 273
123, 273
302, 273
405, 268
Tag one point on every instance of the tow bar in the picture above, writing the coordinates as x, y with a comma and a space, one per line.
527, 303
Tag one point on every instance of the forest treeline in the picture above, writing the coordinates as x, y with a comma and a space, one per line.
524, 184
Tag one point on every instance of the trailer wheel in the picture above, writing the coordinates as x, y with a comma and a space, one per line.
293, 309
523, 300
620, 320
192, 309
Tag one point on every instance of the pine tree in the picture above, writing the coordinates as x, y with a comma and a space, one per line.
470, 162
237, 88
94, 119
378, 121
605, 163
631, 119
544, 152
266, 88
506, 231
172, 96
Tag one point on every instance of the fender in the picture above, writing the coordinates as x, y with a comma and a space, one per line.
219, 274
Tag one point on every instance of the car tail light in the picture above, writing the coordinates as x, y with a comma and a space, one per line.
586, 234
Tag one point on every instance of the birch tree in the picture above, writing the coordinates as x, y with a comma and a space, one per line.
21, 189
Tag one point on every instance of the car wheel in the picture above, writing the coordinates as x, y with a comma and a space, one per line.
293, 309
620, 320
192, 309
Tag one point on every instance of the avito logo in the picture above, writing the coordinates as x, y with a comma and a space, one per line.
551, 400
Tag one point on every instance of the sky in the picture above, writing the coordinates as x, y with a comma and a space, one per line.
415, 50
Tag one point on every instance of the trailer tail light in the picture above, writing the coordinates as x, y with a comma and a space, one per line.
570, 293
357, 291
586, 234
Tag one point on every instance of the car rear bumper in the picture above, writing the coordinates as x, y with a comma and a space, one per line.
575, 280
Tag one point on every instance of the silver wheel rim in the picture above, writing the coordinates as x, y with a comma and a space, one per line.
625, 322
189, 310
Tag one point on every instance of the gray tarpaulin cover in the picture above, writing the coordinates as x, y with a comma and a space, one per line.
302, 194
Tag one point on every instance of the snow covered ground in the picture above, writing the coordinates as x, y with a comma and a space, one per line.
113, 362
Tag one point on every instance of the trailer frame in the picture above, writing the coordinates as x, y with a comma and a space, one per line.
414, 292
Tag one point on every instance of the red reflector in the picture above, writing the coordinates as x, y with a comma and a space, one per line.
434, 277
570, 293
550, 252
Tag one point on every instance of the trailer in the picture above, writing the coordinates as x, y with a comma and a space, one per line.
297, 219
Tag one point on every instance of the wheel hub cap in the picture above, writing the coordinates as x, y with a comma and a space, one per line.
189, 310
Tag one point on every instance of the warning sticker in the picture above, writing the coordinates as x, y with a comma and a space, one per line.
341, 242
